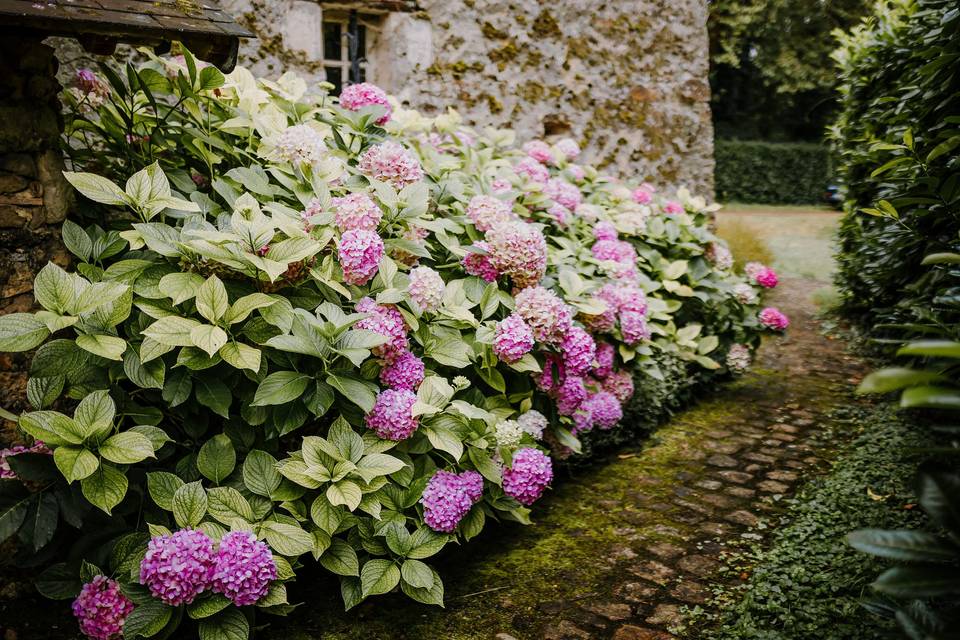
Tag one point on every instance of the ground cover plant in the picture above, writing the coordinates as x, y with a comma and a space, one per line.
301, 327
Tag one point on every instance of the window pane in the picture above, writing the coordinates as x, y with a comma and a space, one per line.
332, 41
335, 78
362, 41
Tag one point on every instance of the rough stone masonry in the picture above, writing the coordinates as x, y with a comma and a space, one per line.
627, 80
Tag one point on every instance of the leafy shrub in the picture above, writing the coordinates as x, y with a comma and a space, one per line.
770, 172
352, 341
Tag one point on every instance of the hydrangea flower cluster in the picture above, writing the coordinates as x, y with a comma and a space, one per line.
426, 288
563, 193
605, 230
533, 170
508, 433
512, 339
387, 321
101, 609
559, 214
392, 415
620, 384
773, 318
487, 212
576, 172
719, 256
360, 252
539, 151
529, 474
405, 371
5, 471
244, 568
605, 357
390, 162
569, 394
177, 567
356, 211
448, 497
642, 195
738, 358
761, 274
744, 293
548, 317
519, 250
479, 264
568, 148
301, 144
357, 96
625, 303
579, 350
533, 422
603, 408
672, 207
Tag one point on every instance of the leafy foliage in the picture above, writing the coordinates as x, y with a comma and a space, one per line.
770, 172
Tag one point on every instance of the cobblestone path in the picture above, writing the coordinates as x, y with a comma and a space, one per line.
617, 551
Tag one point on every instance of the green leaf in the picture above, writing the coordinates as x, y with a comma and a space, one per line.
280, 387
426, 543
452, 352
931, 397
55, 289
918, 582
147, 619
75, 463
217, 458
241, 356
325, 515
110, 347
207, 605
189, 504
931, 348
378, 576
128, 447
226, 504
341, 559
431, 596
260, 473
146, 375
180, 287
52, 427
157, 436
21, 332
894, 378
358, 392
105, 488
172, 331
229, 624
209, 338
445, 440
212, 301
43, 391
416, 574
96, 188
350, 592
378, 464
214, 394
77, 240
95, 414
287, 539
244, 306
346, 493
57, 582
903, 545
162, 485
12, 515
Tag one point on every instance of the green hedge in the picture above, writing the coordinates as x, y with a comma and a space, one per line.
771, 172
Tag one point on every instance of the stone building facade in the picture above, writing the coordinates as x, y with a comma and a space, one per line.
627, 79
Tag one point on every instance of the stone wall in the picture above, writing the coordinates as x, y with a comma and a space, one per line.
34, 196
627, 79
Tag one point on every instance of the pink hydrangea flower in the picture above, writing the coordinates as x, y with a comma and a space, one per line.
719, 256
448, 497
426, 288
605, 357
552, 374
576, 172
390, 162
738, 358
392, 415
500, 185
672, 207
355, 211
404, 372
547, 315
533, 170
570, 393
579, 350
604, 230
562, 192
359, 253
772, 318
177, 567
534, 423
518, 250
487, 212
620, 384
244, 569
539, 151
568, 147
529, 474
101, 609
5, 471
512, 339
618, 251
387, 321
301, 144
642, 195
762, 275
633, 327
604, 409
479, 264
357, 96
559, 213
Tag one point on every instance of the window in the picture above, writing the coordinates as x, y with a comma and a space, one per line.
337, 36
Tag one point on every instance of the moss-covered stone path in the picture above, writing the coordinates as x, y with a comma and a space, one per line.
619, 549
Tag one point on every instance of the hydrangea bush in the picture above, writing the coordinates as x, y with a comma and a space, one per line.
305, 330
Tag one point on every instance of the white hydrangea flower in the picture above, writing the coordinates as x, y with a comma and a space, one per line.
744, 293
738, 358
509, 433
533, 422
301, 144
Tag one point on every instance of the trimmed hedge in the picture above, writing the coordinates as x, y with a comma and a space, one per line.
770, 172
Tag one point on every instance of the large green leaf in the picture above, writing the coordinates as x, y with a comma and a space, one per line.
931, 397
105, 487
189, 504
217, 458
378, 576
128, 447
75, 463
280, 387
21, 332
229, 624
931, 348
919, 582
894, 378
904, 545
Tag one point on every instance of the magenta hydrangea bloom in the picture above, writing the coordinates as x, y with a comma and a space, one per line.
404, 372
487, 212
562, 192
620, 384
390, 162
559, 213
448, 497
552, 374
773, 318
356, 211
392, 415
539, 151
568, 148
767, 278
101, 609
519, 250
570, 394
579, 350
633, 327
533, 170
426, 288
387, 321
642, 195
301, 144
672, 207
357, 96
604, 364
545, 313
528, 476
177, 567
244, 568
614, 250
479, 264
512, 339
582, 421
5, 471
604, 230
359, 253
604, 409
